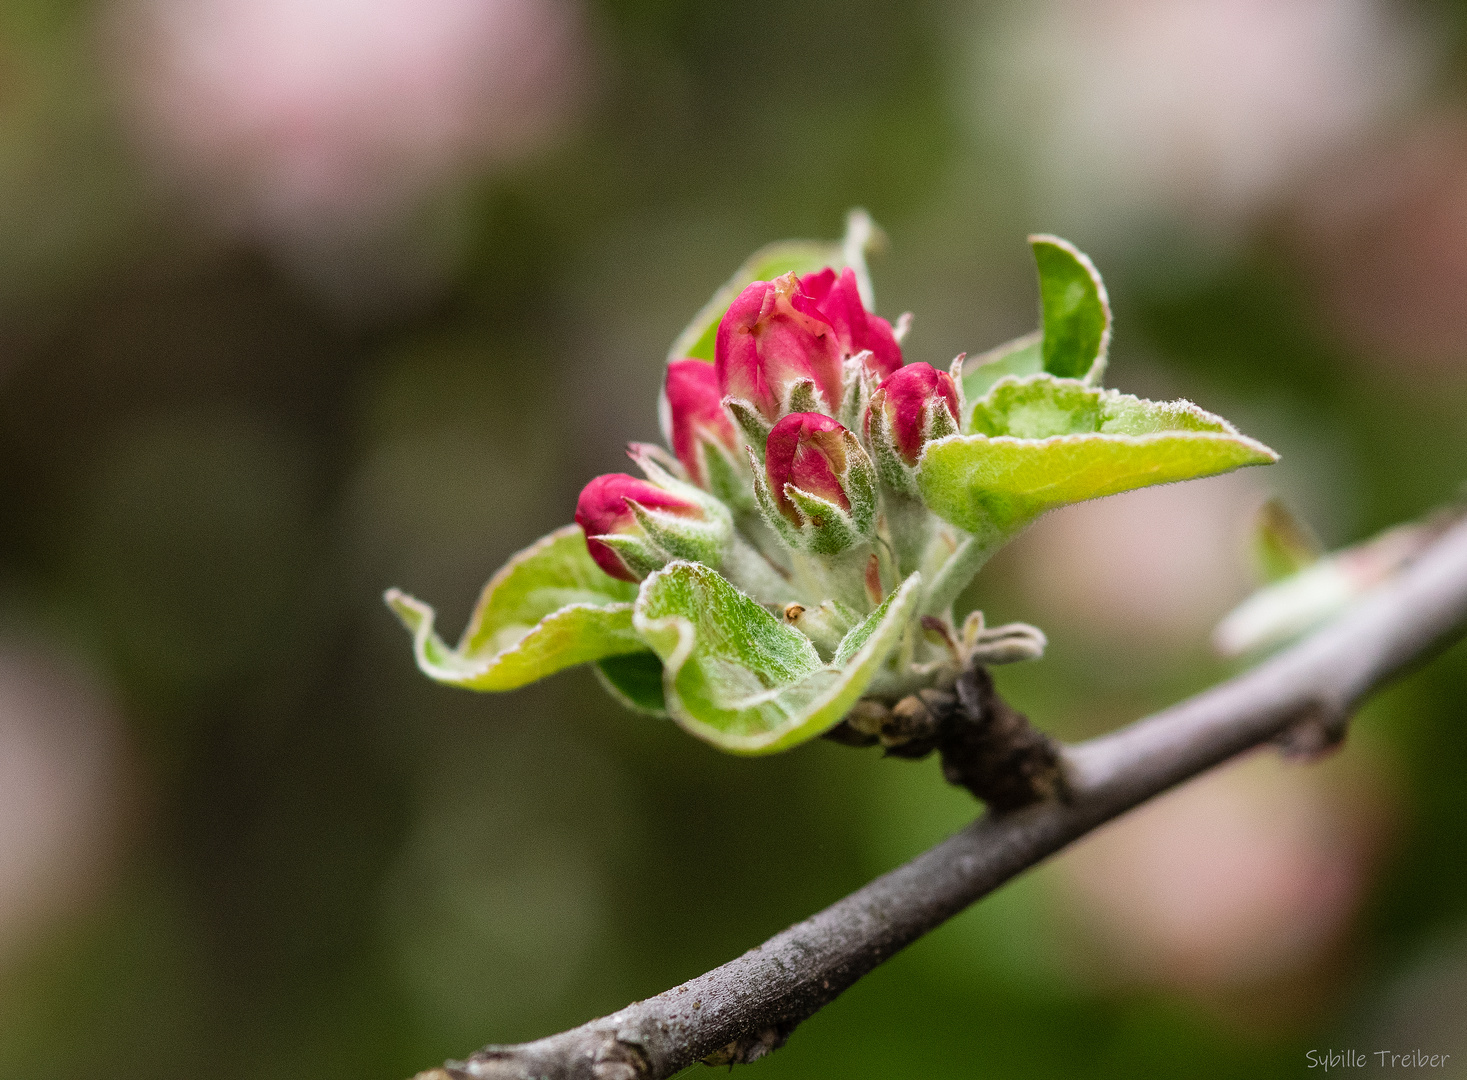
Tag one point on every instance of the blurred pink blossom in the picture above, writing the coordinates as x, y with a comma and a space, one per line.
327, 115
1148, 571
1239, 878
1196, 110
1383, 235
60, 766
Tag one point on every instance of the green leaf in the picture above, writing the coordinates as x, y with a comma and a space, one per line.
1074, 310
1042, 442
1036, 408
550, 607
1289, 608
769, 262
1325, 586
1282, 544
739, 678
635, 680
1022, 356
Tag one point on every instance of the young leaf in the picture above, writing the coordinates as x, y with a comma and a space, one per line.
739, 678
1288, 608
635, 680
1325, 587
1074, 310
1022, 356
1282, 544
1036, 408
1042, 442
550, 607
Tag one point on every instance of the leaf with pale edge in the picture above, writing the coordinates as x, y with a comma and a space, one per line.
739, 678
1022, 356
1074, 310
635, 680
550, 607
1041, 442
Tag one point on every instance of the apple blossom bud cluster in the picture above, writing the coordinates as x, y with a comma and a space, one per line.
804, 413
793, 554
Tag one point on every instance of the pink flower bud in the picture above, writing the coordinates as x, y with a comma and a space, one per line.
771, 337
808, 451
605, 508
910, 398
856, 329
694, 414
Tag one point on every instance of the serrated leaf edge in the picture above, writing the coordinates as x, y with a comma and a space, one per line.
1106, 394
1266, 454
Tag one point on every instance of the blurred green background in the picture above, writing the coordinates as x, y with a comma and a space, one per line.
300, 299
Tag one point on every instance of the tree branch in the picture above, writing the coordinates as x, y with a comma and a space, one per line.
744, 1009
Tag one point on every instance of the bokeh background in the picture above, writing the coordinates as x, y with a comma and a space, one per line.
300, 299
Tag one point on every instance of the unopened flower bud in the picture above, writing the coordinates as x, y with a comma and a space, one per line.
808, 452
914, 405
817, 488
776, 353
634, 527
698, 428
856, 329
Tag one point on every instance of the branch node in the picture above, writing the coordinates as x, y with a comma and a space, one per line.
986, 745
991, 749
751, 1048
590, 1052
1319, 732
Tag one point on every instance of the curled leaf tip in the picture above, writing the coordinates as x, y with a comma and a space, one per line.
1074, 310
